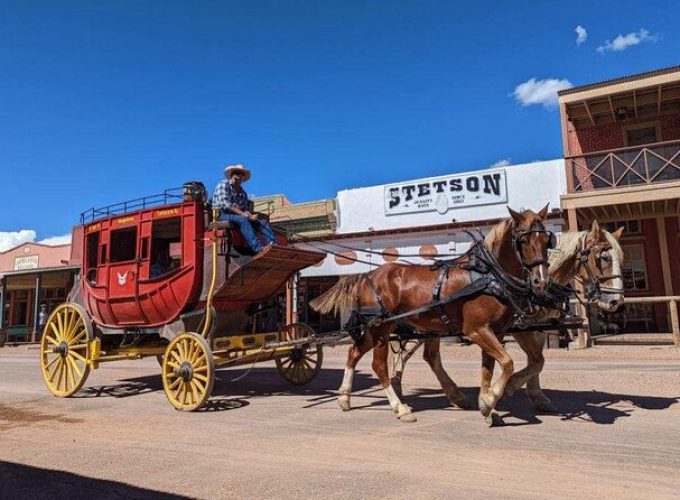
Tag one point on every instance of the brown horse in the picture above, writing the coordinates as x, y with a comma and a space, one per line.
519, 246
594, 259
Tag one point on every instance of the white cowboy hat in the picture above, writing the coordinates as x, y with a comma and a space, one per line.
230, 169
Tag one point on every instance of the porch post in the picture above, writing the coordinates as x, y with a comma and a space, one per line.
675, 325
291, 300
665, 259
3, 300
572, 221
36, 306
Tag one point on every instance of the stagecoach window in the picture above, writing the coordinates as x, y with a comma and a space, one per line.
92, 247
123, 243
166, 246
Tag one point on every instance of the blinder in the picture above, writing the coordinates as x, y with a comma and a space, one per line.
519, 240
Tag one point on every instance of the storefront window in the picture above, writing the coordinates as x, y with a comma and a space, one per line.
633, 269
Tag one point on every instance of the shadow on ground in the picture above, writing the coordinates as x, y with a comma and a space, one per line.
235, 387
23, 481
589, 406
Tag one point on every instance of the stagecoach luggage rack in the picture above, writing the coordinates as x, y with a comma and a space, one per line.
167, 197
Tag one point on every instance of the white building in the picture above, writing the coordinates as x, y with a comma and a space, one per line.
422, 219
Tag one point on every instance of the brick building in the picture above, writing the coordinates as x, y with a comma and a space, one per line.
621, 141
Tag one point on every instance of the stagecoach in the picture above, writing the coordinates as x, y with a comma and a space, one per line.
160, 278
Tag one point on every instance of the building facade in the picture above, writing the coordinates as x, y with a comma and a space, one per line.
416, 221
32, 274
621, 141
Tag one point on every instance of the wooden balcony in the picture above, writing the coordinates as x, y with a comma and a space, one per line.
631, 166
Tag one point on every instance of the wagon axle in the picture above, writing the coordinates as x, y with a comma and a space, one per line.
61, 349
186, 371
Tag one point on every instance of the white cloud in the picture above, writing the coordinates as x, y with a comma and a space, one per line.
581, 35
64, 239
622, 42
501, 163
10, 239
540, 91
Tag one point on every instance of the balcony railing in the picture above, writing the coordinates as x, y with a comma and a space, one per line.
632, 166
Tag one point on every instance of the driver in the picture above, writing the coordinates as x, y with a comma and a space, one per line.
234, 206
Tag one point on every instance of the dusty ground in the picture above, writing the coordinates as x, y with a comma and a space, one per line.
617, 433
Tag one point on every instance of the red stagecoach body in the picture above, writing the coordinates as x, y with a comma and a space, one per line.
121, 286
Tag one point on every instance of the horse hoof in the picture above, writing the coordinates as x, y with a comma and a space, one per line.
493, 420
343, 403
404, 413
408, 417
485, 406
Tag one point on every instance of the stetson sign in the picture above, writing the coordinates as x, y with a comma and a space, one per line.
445, 193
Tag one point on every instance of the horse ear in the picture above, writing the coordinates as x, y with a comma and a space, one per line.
515, 216
595, 230
617, 234
544, 211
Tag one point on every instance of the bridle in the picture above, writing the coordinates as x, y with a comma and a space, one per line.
592, 288
518, 236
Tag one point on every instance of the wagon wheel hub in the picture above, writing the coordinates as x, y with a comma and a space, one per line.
62, 349
297, 355
186, 371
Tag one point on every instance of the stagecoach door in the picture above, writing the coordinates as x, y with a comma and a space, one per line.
123, 276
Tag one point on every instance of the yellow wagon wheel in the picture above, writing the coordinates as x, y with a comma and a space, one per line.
65, 349
301, 365
188, 371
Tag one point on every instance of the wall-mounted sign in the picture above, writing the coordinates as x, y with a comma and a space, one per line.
30, 262
445, 193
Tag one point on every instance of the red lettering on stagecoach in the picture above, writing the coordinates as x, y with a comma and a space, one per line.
166, 212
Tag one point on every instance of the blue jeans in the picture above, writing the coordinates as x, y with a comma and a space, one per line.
248, 228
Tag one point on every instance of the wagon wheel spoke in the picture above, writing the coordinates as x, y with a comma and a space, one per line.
56, 370
174, 355
180, 350
197, 388
65, 350
81, 358
174, 384
75, 367
188, 370
301, 365
69, 380
50, 363
81, 334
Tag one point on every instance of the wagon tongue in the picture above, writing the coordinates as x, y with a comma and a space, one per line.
266, 273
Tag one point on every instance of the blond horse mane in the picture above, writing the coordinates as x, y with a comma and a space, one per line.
497, 233
569, 243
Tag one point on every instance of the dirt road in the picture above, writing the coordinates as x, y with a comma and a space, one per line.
617, 433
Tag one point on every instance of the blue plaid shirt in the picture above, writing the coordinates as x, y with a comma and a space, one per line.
226, 196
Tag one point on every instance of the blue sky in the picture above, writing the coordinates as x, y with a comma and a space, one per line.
106, 101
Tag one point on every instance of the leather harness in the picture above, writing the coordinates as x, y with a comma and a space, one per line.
486, 278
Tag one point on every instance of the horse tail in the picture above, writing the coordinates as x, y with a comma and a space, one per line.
340, 297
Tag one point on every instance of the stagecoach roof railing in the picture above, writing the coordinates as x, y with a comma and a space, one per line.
167, 197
